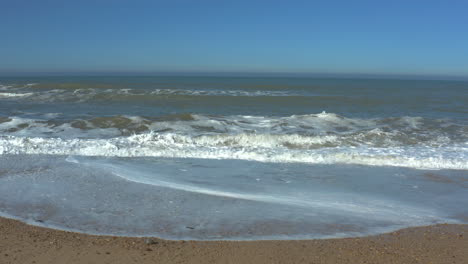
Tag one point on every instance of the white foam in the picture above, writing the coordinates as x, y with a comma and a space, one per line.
14, 95
220, 199
220, 92
177, 146
86, 94
294, 132
383, 209
29, 127
324, 138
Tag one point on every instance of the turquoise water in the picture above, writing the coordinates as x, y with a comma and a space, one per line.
233, 158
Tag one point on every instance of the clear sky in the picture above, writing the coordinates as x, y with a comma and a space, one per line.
365, 37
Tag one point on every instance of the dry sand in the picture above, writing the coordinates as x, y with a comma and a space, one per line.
21, 243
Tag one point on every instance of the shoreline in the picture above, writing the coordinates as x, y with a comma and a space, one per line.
23, 243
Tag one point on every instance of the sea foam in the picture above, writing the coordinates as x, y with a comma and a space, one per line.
217, 199
323, 138
176, 146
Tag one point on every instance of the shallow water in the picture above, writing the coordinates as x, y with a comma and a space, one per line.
233, 158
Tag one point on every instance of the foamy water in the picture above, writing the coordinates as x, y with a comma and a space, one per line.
220, 158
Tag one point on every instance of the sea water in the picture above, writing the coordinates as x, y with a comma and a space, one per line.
233, 158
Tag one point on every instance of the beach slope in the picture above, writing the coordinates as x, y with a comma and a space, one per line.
22, 243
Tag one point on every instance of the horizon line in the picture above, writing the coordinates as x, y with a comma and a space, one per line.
7, 74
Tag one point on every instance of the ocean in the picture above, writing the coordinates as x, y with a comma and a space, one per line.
233, 158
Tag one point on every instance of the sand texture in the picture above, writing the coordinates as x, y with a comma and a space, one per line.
21, 243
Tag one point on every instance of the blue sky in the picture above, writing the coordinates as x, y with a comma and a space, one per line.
350, 37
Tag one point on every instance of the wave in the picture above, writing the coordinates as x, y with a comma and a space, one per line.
172, 191
14, 95
171, 145
323, 138
295, 132
127, 172
80, 93
95, 93
194, 97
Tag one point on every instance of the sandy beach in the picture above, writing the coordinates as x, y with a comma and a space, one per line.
236, 132
22, 243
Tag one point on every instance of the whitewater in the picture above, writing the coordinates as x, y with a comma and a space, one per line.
211, 158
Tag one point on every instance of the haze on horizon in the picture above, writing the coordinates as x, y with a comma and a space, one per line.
427, 38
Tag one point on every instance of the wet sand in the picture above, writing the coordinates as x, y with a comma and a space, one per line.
21, 243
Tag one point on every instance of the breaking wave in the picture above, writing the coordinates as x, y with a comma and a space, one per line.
323, 138
80, 93
179, 146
